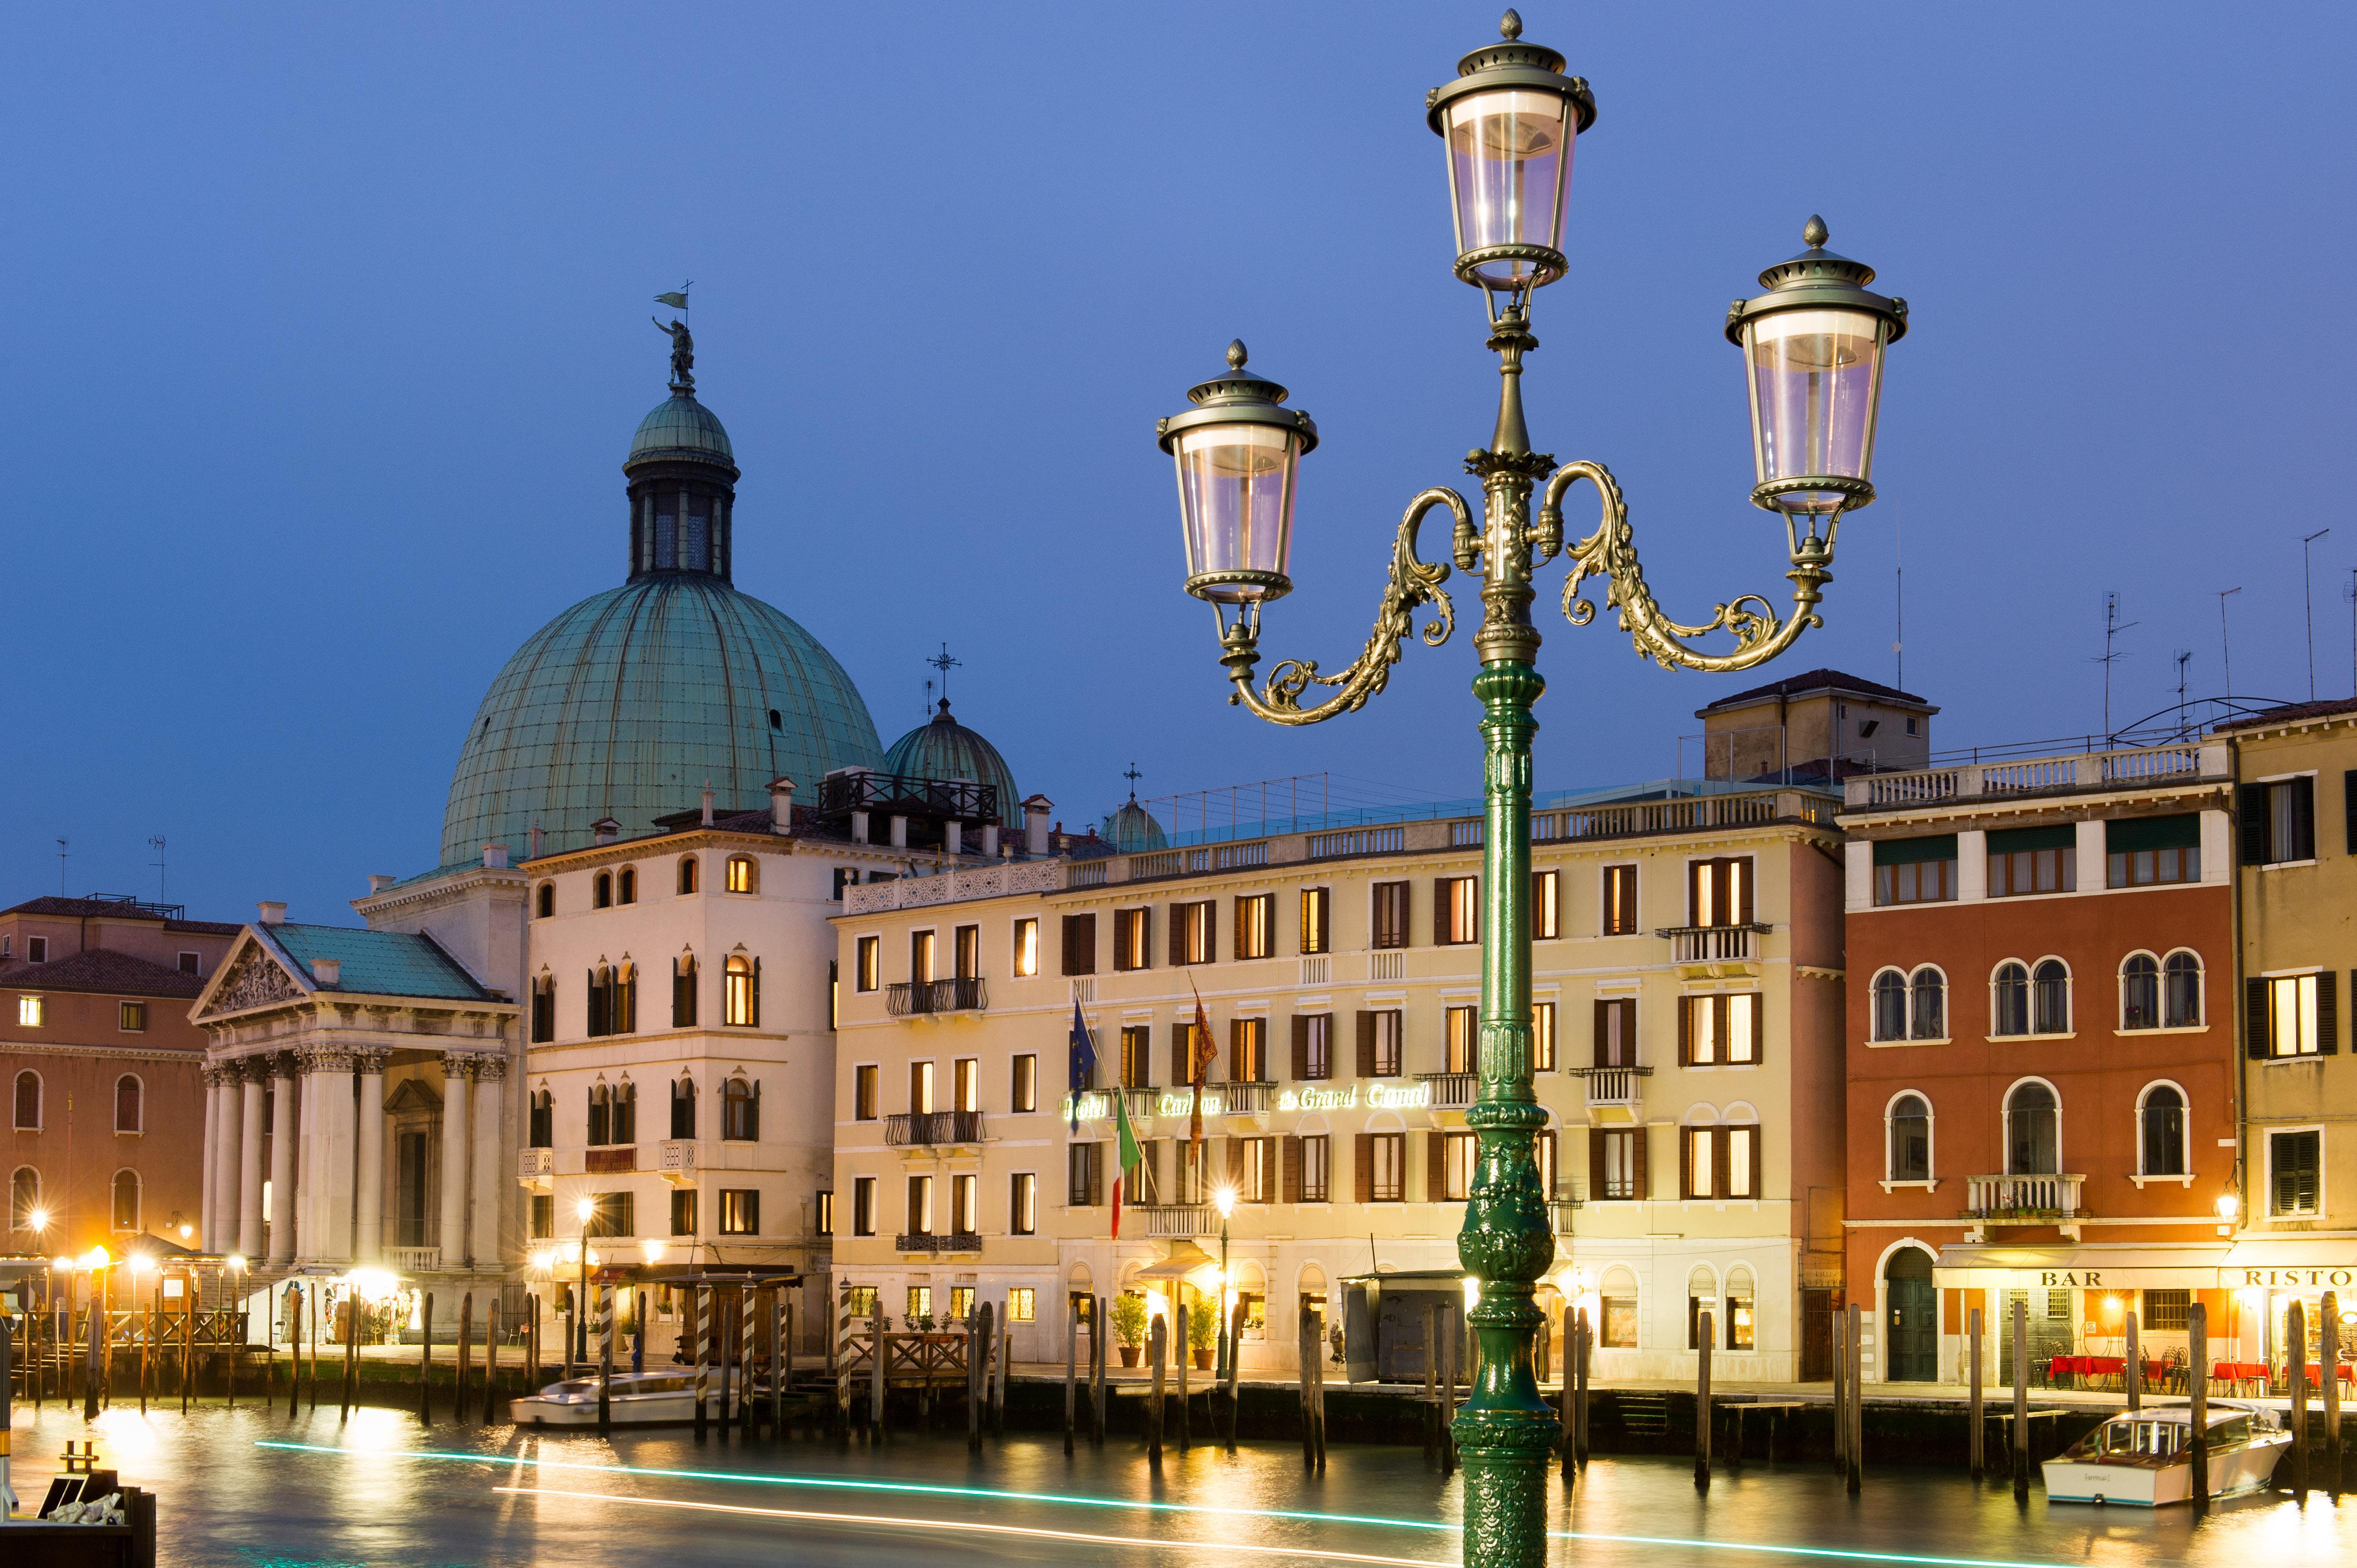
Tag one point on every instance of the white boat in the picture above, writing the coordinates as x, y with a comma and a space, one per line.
634, 1399
2145, 1459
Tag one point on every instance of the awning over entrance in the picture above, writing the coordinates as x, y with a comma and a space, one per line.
1184, 1259
2190, 1266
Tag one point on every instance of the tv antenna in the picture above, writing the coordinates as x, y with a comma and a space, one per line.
2184, 657
2113, 626
2349, 592
2225, 645
156, 843
1899, 633
61, 868
2308, 596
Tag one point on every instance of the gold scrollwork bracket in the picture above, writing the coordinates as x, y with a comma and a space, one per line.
1414, 582
1610, 552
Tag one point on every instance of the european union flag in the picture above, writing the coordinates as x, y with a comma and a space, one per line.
1084, 1061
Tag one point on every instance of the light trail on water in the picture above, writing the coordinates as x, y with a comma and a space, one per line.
929, 1488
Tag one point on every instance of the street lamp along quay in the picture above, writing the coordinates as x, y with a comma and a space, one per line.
1813, 346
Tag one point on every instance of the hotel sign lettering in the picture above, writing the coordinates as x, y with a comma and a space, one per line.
1097, 1105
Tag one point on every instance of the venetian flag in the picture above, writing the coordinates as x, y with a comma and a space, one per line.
1083, 1060
676, 301
1130, 1155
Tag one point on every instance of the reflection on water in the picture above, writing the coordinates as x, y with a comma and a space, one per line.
459, 1494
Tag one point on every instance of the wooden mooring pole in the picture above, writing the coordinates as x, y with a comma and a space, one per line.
1448, 1392
695, 1303
878, 1382
1186, 1355
1568, 1420
1071, 1371
1158, 1334
1431, 1385
2131, 1363
1235, 1369
604, 1321
1855, 1439
424, 1359
2021, 1398
466, 1349
2197, 1381
2328, 1332
1586, 1399
1100, 1351
1976, 1439
2295, 1348
490, 1359
1841, 1398
1306, 1349
1704, 1331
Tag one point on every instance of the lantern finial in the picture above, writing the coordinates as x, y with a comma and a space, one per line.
1814, 233
1510, 26
1236, 354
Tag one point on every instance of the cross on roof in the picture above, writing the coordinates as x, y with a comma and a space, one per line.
944, 663
1133, 776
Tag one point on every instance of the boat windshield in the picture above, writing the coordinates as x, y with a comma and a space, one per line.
2230, 1434
2147, 1438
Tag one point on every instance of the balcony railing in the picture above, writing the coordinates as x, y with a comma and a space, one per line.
1991, 1196
929, 1128
926, 1242
1237, 1099
676, 1160
414, 1260
905, 997
2122, 768
1615, 1088
1452, 1091
1176, 1220
537, 1167
1714, 944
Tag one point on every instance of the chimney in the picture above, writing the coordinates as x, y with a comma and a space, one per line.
531, 848
381, 880
608, 830
782, 805
990, 840
899, 833
859, 827
273, 912
495, 857
328, 972
707, 802
953, 836
1035, 823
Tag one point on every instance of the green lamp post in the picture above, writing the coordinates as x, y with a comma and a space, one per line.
1813, 346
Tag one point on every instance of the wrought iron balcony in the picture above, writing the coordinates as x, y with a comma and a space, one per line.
1714, 944
920, 1129
927, 1241
905, 998
2026, 1197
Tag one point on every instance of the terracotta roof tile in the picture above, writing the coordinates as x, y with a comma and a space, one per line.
100, 969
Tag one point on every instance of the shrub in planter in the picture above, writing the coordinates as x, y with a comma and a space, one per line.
1128, 1327
1203, 1332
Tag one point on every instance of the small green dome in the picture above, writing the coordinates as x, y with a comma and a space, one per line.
1132, 828
681, 426
623, 705
945, 748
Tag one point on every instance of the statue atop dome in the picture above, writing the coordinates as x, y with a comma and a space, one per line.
683, 354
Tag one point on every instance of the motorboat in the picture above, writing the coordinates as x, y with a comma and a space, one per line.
633, 1399
2144, 1458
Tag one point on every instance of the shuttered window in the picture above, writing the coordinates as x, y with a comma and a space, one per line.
1616, 1163
1619, 915
2294, 1172
1718, 891
1390, 914
1722, 1030
2277, 821
1456, 909
2293, 1016
1131, 932
1546, 904
1317, 909
1255, 924
1080, 944
1313, 1046
1543, 1037
1616, 1032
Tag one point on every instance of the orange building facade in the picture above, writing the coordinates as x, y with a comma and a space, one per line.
2042, 1054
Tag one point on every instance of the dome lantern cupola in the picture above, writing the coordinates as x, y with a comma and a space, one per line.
682, 475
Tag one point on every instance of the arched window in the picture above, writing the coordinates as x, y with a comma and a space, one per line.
127, 1200
2051, 997
1927, 1014
544, 1008
1889, 1005
625, 1011
24, 1198
542, 1135
2033, 1131
2180, 991
601, 1115
682, 991
28, 1101
547, 905
626, 886
740, 1110
1702, 1296
1741, 1320
127, 1106
688, 879
744, 874
2141, 991
682, 1108
1911, 1138
601, 1000
743, 1001
2161, 1118
2009, 999
625, 1124
601, 895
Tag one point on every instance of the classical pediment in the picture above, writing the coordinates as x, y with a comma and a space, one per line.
252, 978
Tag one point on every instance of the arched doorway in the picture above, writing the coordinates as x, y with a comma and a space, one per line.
1911, 1317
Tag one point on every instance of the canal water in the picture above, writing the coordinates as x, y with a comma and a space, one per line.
253, 1489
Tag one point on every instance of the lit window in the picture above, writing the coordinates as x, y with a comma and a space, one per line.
740, 1211
690, 879
132, 1017
825, 1213
1459, 1031
867, 964
1546, 903
1718, 891
1023, 1088
1022, 1304
1023, 1206
1026, 946
1458, 910
744, 1008
1457, 1153
31, 1012
1619, 915
863, 1092
1316, 905
742, 878
1720, 1030
740, 1110
1915, 871
1255, 924
862, 1206
2293, 1012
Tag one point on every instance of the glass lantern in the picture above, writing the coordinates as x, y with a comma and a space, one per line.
1812, 359
1508, 124
1236, 453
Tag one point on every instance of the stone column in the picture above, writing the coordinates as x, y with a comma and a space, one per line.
249, 1157
330, 1156
490, 1131
307, 1166
283, 1197
368, 1158
212, 1141
456, 1089
225, 1152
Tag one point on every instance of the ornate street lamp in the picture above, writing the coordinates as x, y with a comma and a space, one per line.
1813, 346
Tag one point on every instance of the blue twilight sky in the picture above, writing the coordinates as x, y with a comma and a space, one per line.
329, 330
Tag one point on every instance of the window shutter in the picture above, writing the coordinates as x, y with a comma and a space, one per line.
1440, 932
1179, 1075
2254, 806
1363, 1161
1596, 1136
1300, 1046
1236, 1063
1759, 1027
2327, 1013
1292, 1169
1643, 1176
1603, 1034
1177, 934
1366, 1049
1436, 1165
2303, 820
2349, 809
1686, 1028
756, 993
1685, 1162
1723, 1158
1696, 870
1742, 870
1627, 901
2254, 1019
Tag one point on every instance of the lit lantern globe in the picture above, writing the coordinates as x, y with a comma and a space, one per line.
1813, 355
1509, 122
1236, 452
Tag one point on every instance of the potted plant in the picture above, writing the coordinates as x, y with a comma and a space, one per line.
1128, 1327
1203, 1332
